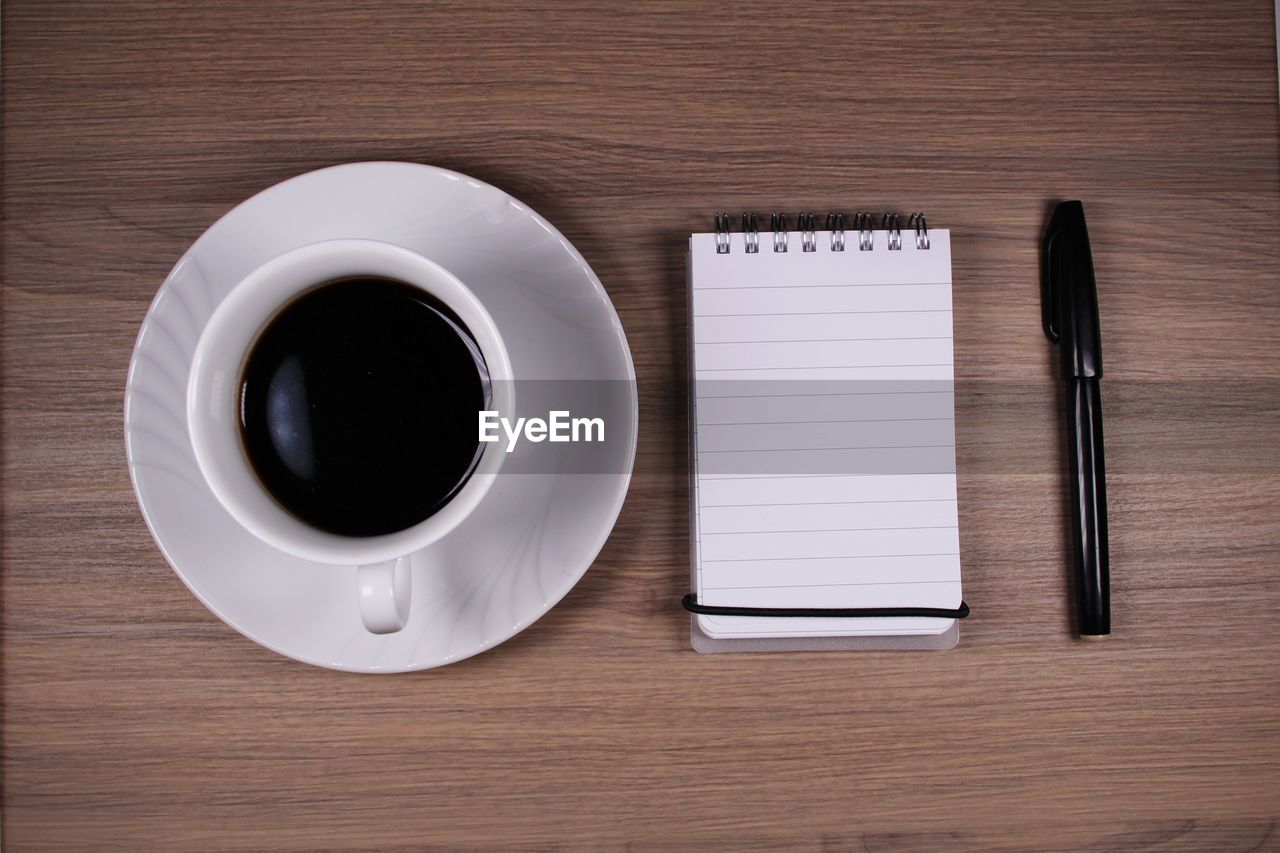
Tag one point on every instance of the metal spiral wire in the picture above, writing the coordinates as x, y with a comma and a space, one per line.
722, 233
751, 233
864, 222
892, 223
835, 224
916, 221
808, 232
778, 223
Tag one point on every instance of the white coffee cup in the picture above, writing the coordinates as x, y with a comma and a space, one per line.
380, 563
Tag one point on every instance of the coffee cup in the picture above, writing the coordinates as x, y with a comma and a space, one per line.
221, 418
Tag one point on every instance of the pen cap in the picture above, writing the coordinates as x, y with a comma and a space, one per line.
1069, 293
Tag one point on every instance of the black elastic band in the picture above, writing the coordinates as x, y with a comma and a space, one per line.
691, 604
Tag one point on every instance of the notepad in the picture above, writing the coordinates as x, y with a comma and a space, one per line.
823, 466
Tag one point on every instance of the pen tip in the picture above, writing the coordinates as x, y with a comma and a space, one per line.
1095, 637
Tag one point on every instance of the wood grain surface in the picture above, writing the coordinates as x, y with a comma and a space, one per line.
134, 719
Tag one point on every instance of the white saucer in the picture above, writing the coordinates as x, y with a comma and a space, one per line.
536, 534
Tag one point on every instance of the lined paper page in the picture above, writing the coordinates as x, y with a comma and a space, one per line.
824, 441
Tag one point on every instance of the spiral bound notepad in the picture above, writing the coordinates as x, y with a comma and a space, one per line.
823, 466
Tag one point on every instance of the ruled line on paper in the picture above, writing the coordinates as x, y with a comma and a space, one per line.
864, 420
825, 340
701, 396
829, 530
821, 367
795, 585
770, 477
837, 503
830, 557
818, 449
807, 286
828, 313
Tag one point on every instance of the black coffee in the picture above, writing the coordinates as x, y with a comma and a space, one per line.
359, 406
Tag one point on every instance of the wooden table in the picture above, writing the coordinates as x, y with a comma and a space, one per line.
134, 719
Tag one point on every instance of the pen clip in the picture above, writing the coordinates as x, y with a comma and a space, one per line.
1048, 289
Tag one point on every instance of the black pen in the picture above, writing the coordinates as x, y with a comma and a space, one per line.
1069, 303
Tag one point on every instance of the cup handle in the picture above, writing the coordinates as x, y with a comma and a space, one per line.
385, 590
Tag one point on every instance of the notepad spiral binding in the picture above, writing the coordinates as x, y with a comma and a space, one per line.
863, 223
